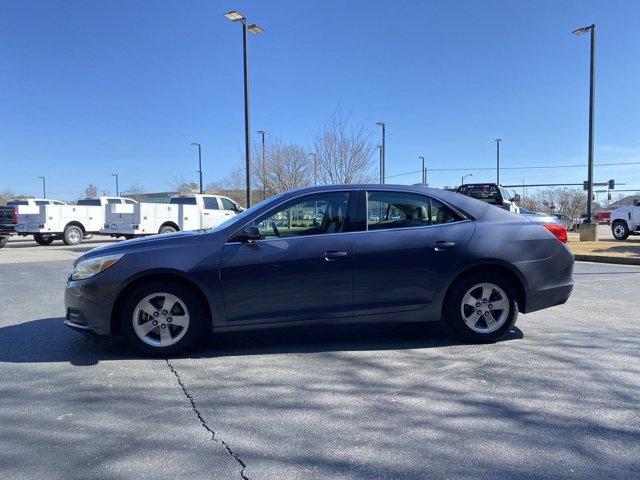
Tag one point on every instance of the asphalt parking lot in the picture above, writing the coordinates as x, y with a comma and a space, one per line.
559, 398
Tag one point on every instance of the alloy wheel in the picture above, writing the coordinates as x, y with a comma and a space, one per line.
161, 319
485, 308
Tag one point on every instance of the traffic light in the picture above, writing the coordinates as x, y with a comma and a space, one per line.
611, 184
585, 185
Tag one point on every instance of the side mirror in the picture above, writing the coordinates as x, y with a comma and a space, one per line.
250, 233
516, 198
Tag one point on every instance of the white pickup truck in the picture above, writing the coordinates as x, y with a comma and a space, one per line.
71, 223
625, 221
182, 213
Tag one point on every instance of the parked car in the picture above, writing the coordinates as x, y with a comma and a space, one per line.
450, 256
70, 223
569, 222
8, 220
491, 193
182, 213
604, 217
625, 221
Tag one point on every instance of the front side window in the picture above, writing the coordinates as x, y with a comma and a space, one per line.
316, 214
210, 203
228, 204
111, 201
389, 210
129, 202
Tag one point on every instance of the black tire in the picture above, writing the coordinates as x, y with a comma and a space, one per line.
167, 229
42, 240
3, 241
194, 331
129, 237
73, 235
620, 230
453, 311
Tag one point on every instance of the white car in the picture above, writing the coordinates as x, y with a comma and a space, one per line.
625, 221
182, 213
71, 223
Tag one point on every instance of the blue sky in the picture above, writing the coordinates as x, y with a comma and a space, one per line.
88, 87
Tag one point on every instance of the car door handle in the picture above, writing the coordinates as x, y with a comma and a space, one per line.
442, 245
206, 213
331, 256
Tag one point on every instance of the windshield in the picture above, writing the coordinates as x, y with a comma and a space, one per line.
239, 217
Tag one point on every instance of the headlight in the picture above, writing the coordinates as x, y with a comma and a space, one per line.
93, 266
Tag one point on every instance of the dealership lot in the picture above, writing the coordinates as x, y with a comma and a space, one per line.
558, 398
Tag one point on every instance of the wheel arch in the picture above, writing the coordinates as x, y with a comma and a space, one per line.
74, 223
169, 224
491, 267
163, 276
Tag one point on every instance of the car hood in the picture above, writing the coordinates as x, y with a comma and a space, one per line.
145, 243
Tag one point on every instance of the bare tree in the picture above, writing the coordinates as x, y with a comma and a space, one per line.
570, 201
183, 186
232, 186
6, 195
134, 191
91, 191
343, 151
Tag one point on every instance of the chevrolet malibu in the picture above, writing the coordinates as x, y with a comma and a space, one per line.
326, 255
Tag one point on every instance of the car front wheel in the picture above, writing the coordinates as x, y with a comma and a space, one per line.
72, 235
482, 307
162, 318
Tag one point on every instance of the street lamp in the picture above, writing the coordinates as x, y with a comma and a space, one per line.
235, 16
194, 144
117, 187
498, 140
44, 187
315, 168
465, 176
592, 73
382, 150
264, 166
424, 171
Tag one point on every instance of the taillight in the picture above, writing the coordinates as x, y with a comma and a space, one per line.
15, 214
558, 231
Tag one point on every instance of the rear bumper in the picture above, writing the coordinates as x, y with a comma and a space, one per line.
548, 298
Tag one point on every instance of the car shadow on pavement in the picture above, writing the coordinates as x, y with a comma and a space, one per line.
49, 340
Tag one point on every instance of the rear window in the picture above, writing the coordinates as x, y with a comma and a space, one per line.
15, 203
183, 201
90, 202
487, 193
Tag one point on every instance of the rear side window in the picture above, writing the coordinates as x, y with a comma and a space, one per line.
89, 202
42, 202
183, 201
15, 203
389, 210
210, 203
111, 201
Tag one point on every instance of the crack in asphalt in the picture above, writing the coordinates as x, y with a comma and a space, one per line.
203, 422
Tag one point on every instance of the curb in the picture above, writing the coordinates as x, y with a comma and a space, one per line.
606, 259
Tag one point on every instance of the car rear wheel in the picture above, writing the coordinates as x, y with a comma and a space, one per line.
72, 235
620, 230
162, 318
482, 307
167, 229
42, 240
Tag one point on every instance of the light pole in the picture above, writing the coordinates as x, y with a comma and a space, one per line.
465, 176
44, 187
498, 140
424, 171
592, 75
235, 16
264, 166
315, 168
522, 189
382, 150
199, 162
117, 187
379, 147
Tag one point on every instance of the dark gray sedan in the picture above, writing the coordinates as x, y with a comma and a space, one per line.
329, 254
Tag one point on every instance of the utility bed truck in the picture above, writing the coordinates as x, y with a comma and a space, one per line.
69, 223
182, 213
625, 221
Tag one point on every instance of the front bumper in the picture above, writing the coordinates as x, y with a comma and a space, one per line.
89, 304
